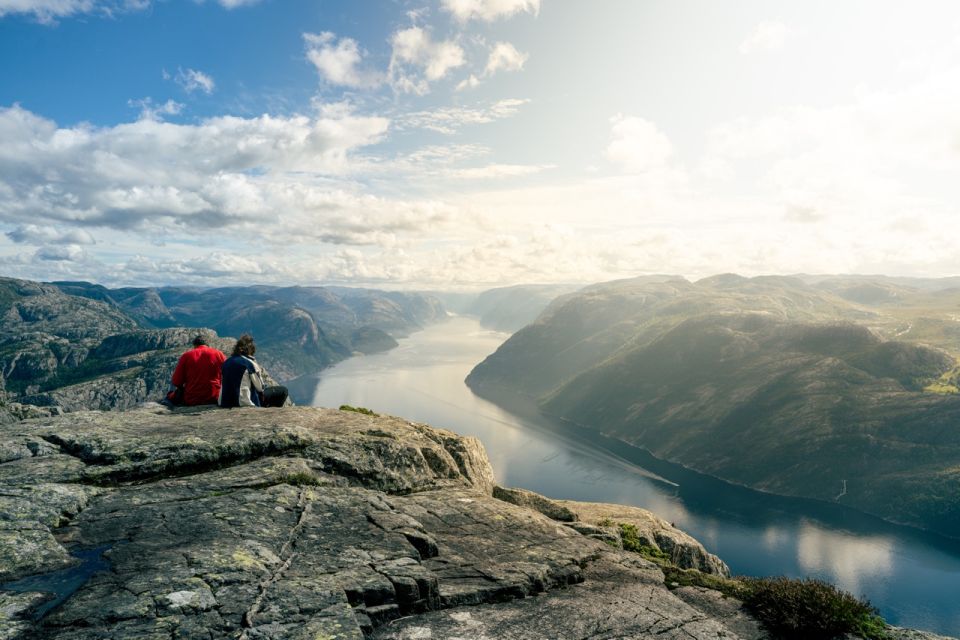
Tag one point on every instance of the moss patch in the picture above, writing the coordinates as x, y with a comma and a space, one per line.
789, 609
363, 410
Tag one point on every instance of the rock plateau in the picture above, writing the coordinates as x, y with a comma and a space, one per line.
313, 523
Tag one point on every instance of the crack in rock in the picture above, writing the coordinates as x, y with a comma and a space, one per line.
303, 504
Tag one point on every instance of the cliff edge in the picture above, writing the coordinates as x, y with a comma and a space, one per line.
308, 523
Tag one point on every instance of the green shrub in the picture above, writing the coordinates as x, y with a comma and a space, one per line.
630, 536
810, 609
299, 479
675, 577
363, 410
789, 609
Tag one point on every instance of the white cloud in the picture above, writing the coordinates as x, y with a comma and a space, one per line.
223, 171
450, 120
882, 155
47, 234
471, 82
500, 171
67, 253
151, 111
233, 4
769, 35
49, 11
415, 52
489, 10
637, 145
504, 57
192, 80
338, 62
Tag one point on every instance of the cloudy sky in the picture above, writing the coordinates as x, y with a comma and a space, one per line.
475, 143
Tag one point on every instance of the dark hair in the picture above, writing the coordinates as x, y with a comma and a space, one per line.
245, 346
199, 341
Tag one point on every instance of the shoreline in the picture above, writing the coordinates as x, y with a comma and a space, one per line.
680, 475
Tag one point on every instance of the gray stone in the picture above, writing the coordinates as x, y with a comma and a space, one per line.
684, 550
311, 523
14, 612
729, 611
525, 498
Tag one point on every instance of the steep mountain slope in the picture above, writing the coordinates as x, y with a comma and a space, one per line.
768, 382
121, 372
510, 308
43, 330
298, 329
582, 329
78, 345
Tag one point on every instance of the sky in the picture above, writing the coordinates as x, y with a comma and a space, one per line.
466, 144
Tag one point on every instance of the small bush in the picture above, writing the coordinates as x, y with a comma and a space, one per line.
810, 610
789, 609
630, 536
363, 410
299, 479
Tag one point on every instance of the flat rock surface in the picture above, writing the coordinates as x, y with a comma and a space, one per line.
300, 523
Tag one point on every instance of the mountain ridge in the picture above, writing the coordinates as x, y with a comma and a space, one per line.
766, 382
79, 345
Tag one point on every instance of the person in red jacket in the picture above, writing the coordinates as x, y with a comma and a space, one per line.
198, 374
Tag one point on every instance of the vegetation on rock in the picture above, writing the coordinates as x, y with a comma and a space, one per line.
790, 609
363, 410
810, 610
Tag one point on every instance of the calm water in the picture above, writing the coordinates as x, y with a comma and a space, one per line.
912, 577
63, 583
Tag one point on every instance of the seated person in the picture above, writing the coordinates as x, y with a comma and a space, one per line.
243, 380
196, 379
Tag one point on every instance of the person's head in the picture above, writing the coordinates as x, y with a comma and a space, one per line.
199, 341
245, 346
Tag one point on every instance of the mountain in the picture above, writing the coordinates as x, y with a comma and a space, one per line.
298, 329
78, 345
510, 308
773, 383
315, 523
43, 329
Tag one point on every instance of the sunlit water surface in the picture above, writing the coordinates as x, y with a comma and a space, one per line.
913, 578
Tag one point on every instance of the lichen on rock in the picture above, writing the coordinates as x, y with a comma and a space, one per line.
303, 523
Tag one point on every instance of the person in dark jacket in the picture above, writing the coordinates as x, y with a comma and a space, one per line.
243, 380
196, 379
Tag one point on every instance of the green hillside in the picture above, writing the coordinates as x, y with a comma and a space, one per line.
773, 383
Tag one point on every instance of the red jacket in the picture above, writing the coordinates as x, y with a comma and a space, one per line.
198, 370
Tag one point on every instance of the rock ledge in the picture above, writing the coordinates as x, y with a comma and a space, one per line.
306, 523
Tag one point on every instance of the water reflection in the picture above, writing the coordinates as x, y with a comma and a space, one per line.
912, 577
845, 560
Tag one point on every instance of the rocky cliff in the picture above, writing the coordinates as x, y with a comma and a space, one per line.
76, 345
311, 523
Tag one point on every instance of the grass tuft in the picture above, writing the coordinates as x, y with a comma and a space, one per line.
299, 479
789, 609
363, 410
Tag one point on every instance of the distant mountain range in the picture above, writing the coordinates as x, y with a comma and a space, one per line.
511, 308
79, 345
834, 388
